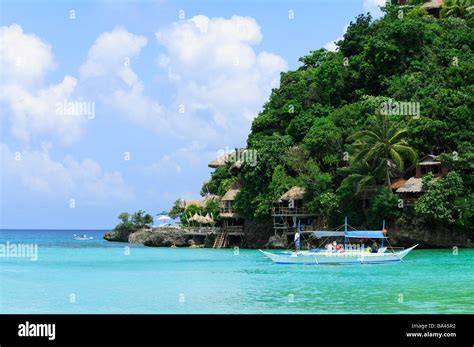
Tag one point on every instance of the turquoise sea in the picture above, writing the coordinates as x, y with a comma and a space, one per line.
103, 277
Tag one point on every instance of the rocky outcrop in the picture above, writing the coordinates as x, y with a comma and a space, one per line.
167, 238
277, 242
406, 233
409, 232
257, 234
118, 235
139, 236
160, 237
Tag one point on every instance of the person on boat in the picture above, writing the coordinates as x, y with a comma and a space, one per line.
374, 248
296, 240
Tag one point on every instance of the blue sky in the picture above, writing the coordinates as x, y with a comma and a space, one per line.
164, 87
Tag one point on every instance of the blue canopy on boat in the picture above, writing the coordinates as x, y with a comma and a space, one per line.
370, 234
324, 233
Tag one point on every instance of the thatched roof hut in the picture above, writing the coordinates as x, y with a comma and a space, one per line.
433, 4
236, 158
201, 219
413, 185
221, 160
198, 202
397, 184
295, 193
232, 192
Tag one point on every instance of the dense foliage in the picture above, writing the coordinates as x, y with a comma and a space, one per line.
135, 221
324, 128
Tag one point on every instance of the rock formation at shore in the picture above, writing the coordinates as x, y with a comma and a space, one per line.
260, 235
409, 232
161, 237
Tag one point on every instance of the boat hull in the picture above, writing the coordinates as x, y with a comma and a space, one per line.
329, 258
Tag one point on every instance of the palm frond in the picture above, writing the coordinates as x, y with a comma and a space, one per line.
406, 152
397, 136
397, 158
362, 134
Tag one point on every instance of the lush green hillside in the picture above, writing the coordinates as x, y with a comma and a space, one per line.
324, 128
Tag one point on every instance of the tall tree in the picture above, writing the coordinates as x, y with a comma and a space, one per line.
456, 8
384, 140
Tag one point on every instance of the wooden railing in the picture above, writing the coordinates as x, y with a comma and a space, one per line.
214, 230
277, 211
227, 210
202, 230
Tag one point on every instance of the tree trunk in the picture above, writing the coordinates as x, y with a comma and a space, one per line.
387, 169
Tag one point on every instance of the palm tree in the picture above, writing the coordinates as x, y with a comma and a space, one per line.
384, 141
456, 8
360, 174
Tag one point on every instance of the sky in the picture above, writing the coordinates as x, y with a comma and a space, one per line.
110, 106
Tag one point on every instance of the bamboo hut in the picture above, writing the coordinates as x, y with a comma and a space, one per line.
288, 210
227, 211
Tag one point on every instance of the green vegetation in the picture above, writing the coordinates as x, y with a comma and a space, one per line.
137, 220
458, 8
323, 128
444, 201
211, 207
382, 142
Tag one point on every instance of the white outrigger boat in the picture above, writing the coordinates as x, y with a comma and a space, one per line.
82, 238
344, 255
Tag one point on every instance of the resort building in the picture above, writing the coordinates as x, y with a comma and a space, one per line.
230, 218
433, 7
236, 158
232, 224
411, 189
289, 210
226, 205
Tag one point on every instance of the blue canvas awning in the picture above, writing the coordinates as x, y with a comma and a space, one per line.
369, 234
324, 233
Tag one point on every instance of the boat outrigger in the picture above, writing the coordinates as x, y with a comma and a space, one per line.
341, 255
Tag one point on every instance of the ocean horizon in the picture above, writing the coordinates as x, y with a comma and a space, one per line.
100, 277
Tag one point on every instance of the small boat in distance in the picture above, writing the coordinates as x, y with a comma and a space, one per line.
337, 255
82, 238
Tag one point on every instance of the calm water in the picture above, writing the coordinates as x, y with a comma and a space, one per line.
103, 279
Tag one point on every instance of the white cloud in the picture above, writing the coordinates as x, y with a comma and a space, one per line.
35, 113
220, 83
38, 172
111, 54
219, 77
331, 45
24, 57
25, 60
192, 157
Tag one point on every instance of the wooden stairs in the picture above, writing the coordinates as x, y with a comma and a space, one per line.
220, 240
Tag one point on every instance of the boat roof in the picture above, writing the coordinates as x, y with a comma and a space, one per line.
360, 234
